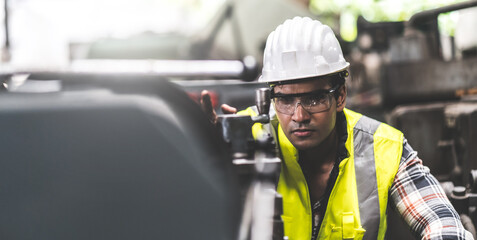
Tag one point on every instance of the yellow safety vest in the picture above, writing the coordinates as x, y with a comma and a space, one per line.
357, 205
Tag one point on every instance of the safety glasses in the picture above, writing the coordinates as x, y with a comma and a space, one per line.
313, 102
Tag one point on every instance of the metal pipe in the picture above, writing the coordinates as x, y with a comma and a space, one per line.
425, 16
169, 68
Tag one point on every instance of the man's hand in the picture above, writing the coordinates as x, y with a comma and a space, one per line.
206, 105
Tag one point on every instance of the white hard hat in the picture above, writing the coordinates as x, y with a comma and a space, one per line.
301, 48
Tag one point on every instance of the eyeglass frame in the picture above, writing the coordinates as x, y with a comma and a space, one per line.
328, 92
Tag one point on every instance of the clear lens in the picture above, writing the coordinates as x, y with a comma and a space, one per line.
312, 104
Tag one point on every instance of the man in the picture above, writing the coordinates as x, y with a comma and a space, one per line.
341, 169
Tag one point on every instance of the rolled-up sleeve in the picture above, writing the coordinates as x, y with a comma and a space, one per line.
422, 203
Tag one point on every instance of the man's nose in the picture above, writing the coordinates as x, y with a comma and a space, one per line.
300, 114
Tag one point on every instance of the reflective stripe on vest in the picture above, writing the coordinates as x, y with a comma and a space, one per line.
365, 169
358, 201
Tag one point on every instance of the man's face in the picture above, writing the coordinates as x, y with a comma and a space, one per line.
307, 130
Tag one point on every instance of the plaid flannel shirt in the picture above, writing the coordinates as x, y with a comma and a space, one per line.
422, 203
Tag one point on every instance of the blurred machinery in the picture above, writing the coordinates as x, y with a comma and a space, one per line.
70, 136
88, 156
104, 155
423, 83
237, 29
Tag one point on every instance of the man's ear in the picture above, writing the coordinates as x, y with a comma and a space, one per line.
341, 100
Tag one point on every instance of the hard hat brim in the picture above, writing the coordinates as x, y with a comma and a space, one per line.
289, 79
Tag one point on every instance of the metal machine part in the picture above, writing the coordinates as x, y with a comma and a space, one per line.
473, 180
236, 129
426, 81
450, 132
258, 165
465, 204
262, 100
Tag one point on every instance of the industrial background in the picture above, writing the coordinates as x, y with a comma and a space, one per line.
76, 71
